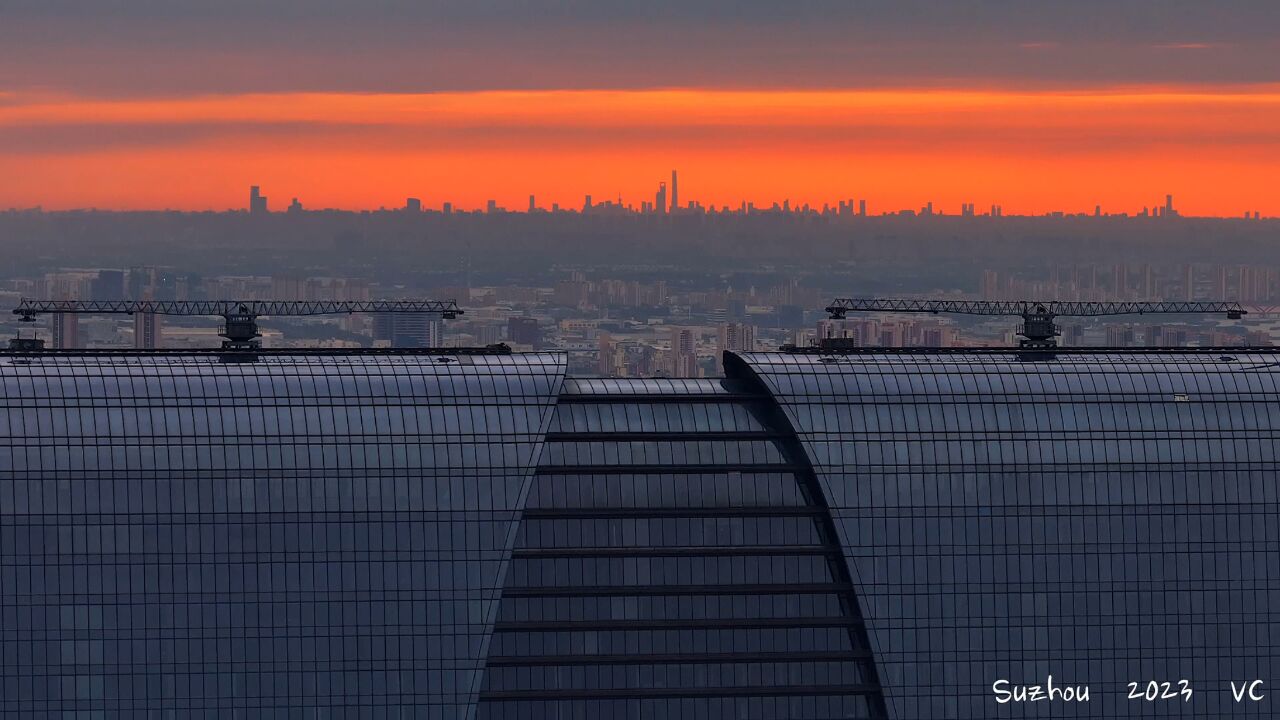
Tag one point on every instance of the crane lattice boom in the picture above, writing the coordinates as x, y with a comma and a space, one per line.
840, 306
241, 316
1038, 328
29, 308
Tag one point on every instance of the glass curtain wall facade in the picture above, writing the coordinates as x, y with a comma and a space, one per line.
1101, 517
470, 535
185, 537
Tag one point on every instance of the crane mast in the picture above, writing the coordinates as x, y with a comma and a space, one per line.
1038, 329
240, 317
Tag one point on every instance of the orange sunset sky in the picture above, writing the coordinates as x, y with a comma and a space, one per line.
133, 116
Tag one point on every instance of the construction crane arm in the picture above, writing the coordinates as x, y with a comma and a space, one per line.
840, 306
1232, 310
241, 316
29, 308
1038, 329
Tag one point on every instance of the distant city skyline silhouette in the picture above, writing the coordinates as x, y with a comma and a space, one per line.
666, 202
1031, 151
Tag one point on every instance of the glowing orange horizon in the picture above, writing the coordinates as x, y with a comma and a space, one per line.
1216, 150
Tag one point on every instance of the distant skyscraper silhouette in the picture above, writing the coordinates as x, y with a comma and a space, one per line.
524, 331
675, 193
146, 331
66, 331
607, 357
257, 201
109, 285
408, 330
412, 205
684, 358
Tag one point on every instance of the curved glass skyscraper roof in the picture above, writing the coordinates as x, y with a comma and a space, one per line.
180, 534
1102, 517
471, 535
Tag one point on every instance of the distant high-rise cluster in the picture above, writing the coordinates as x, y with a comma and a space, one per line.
666, 201
1253, 284
736, 337
1161, 211
889, 333
408, 330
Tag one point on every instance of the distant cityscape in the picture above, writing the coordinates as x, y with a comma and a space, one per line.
657, 288
666, 201
618, 327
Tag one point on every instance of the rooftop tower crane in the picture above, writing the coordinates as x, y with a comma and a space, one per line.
1038, 329
240, 316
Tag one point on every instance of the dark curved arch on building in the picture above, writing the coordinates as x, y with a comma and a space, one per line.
734, 367
739, 601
